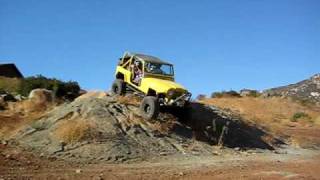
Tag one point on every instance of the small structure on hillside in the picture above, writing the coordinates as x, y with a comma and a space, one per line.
10, 71
248, 92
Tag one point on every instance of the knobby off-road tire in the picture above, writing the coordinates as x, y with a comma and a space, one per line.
150, 107
118, 87
186, 112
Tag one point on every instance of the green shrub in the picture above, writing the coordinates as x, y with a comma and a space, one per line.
233, 93
299, 115
66, 90
254, 94
216, 95
230, 93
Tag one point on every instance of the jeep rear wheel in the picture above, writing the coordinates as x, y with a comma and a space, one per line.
150, 107
118, 87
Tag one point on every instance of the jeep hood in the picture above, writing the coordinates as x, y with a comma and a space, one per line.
161, 85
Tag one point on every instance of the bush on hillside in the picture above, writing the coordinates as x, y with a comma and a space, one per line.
230, 93
66, 90
299, 115
254, 94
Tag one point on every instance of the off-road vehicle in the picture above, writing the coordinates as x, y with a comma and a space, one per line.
152, 79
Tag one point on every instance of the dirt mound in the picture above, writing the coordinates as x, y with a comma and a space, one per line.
101, 129
108, 128
278, 115
217, 127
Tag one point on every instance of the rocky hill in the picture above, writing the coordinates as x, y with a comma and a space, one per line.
306, 90
99, 127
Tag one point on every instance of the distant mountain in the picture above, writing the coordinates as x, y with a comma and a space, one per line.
308, 90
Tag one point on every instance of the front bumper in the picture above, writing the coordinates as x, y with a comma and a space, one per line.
181, 100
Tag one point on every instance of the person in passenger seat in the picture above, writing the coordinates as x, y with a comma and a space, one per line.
137, 72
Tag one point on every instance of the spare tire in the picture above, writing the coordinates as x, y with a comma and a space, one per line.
118, 87
150, 107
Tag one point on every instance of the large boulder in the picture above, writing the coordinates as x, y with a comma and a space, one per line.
39, 100
19, 97
41, 96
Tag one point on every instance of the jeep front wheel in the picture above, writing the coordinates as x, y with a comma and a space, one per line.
118, 87
150, 107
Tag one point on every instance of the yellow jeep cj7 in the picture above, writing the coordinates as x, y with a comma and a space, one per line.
152, 79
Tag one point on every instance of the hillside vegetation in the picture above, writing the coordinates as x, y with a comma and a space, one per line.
10, 85
61, 89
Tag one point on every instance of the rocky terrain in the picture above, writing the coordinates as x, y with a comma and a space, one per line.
104, 128
306, 90
101, 136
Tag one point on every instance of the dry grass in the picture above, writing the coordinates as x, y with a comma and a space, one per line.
12, 122
265, 110
74, 130
129, 100
30, 106
19, 114
9, 84
164, 127
317, 120
276, 115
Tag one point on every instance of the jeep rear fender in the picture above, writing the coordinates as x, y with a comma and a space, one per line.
123, 73
120, 76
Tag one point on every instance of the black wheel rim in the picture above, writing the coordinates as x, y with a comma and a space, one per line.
115, 89
147, 108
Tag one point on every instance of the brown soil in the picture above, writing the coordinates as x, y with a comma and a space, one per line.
298, 164
275, 115
253, 148
11, 122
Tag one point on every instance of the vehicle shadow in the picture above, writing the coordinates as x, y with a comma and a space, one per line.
211, 125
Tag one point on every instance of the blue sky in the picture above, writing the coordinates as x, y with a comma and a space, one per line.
215, 45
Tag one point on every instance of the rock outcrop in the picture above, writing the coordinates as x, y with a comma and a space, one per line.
306, 90
100, 127
41, 96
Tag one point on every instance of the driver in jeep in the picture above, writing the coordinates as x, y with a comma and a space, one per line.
154, 68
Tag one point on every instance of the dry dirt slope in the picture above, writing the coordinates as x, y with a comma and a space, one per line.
100, 132
105, 128
277, 115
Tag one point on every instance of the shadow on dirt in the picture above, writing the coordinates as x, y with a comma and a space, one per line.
215, 127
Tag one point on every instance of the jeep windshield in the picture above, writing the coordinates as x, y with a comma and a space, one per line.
159, 69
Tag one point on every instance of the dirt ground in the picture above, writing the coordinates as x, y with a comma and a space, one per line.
289, 163
297, 158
